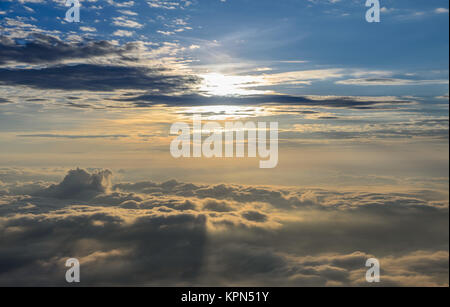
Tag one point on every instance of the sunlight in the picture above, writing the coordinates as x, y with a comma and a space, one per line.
222, 85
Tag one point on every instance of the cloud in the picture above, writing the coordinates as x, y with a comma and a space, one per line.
128, 12
443, 97
88, 29
48, 49
72, 136
167, 33
168, 5
217, 206
123, 33
254, 216
121, 4
389, 81
122, 21
79, 184
303, 76
31, 1
441, 10
175, 233
97, 78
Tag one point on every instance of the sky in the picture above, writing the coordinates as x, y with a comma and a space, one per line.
86, 171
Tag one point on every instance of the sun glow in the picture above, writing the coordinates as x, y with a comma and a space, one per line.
225, 85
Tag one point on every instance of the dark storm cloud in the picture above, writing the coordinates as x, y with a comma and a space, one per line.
175, 233
48, 49
4, 100
201, 100
91, 77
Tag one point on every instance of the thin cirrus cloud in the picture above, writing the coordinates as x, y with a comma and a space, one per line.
389, 82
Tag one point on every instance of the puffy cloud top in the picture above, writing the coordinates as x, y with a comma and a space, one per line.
80, 184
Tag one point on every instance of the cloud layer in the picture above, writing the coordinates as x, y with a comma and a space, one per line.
175, 233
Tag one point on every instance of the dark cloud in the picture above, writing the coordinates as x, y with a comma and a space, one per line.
48, 49
390, 81
254, 216
80, 184
160, 83
213, 205
91, 77
4, 100
200, 100
44, 49
222, 192
151, 250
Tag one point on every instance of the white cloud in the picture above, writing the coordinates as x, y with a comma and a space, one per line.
121, 4
441, 10
127, 12
88, 29
169, 5
123, 33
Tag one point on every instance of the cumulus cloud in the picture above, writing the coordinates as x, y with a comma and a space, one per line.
80, 184
175, 233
